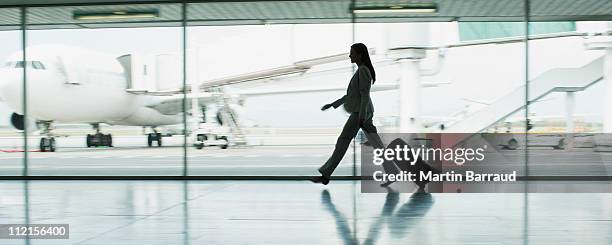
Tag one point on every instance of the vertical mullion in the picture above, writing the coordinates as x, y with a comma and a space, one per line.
24, 92
184, 47
527, 104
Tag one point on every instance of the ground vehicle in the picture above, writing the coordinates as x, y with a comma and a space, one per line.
209, 134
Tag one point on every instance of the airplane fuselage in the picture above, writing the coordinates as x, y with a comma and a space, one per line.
71, 85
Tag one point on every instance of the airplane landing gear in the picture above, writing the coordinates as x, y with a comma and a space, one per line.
47, 144
99, 139
154, 137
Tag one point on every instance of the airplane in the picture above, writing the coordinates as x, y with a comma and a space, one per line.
75, 85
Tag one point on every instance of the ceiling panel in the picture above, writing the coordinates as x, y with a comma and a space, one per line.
67, 2
459, 10
312, 11
270, 10
571, 9
453, 8
10, 16
10, 19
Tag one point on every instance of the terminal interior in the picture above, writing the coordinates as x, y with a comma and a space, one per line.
200, 122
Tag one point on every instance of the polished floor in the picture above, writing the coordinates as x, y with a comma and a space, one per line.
298, 212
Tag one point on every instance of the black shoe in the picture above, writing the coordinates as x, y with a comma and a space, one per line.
320, 179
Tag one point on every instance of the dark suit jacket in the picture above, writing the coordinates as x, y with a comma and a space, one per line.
357, 98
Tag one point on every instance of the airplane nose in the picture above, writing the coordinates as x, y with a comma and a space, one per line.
11, 87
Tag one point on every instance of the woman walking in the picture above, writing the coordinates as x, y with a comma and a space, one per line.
357, 102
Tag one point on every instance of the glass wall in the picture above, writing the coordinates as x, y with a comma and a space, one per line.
446, 79
105, 92
11, 84
236, 88
274, 122
568, 98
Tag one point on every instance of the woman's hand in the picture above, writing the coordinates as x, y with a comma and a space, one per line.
325, 107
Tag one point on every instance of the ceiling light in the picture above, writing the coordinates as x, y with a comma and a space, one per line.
115, 15
415, 8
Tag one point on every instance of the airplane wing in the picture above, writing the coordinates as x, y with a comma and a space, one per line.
172, 105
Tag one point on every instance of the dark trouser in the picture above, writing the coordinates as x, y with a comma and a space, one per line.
351, 127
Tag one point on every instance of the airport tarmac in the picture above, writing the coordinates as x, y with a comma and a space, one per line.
130, 157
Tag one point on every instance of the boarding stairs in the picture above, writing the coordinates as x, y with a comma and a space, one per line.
554, 80
229, 117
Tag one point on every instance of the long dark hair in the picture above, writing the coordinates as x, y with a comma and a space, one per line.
362, 50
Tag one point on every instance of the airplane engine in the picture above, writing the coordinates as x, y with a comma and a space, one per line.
17, 121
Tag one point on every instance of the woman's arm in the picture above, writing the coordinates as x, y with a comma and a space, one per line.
338, 102
335, 104
365, 83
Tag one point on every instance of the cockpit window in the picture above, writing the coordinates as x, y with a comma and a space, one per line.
37, 65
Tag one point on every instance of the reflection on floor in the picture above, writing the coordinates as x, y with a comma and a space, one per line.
298, 212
